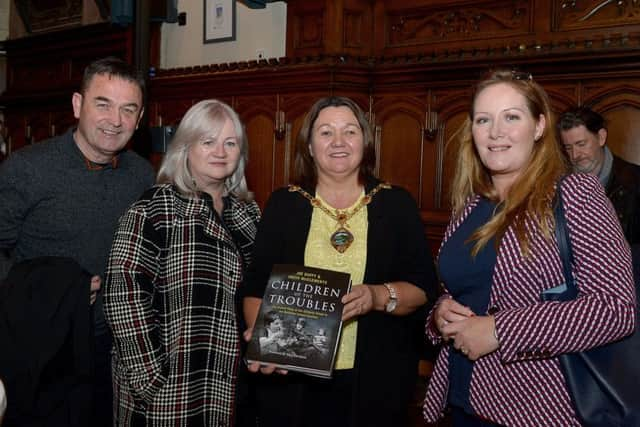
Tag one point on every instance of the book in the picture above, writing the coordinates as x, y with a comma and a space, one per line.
300, 319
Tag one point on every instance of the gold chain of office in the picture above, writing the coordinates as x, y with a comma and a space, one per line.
342, 238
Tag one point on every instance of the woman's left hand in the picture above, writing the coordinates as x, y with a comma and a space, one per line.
474, 336
357, 302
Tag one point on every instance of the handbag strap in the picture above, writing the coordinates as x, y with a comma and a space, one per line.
564, 243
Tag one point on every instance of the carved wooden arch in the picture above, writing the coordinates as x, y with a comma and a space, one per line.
249, 107
453, 103
560, 100
170, 112
609, 99
399, 123
399, 103
451, 106
263, 112
297, 105
254, 111
621, 110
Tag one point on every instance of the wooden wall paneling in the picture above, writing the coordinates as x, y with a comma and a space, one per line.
37, 125
594, 14
258, 113
563, 94
435, 225
311, 27
411, 26
168, 112
329, 27
400, 119
32, 76
15, 128
295, 107
357, 31
611, 93
61, 121
452, 105
619, 102
623, 124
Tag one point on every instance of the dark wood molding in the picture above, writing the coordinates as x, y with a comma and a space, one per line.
410, 64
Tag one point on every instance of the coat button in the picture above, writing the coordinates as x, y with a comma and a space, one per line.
493, 310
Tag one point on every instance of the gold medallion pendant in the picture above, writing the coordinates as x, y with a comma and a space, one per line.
341, 239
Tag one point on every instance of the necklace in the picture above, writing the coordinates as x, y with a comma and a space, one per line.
342, 238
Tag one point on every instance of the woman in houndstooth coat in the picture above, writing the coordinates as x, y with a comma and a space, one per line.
176, 263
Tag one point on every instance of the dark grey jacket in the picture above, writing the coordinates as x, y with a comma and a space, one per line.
623, 189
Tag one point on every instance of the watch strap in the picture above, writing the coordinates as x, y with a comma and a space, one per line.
393, 298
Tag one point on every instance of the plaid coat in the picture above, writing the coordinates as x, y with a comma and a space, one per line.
170, 298
521, 384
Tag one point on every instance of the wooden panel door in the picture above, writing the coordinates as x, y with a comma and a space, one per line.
404, 158
258, 113
452, 105
295, 108
619, 103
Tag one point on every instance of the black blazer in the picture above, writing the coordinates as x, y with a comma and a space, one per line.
388, 346
46, 342
623, 189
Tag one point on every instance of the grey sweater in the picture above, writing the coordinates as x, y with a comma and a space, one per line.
51, 204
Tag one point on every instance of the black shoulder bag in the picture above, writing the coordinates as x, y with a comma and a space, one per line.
604, 382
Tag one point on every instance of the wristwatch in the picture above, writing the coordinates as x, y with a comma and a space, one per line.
393, 298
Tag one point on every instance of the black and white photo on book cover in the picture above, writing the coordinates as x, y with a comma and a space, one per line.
299, 322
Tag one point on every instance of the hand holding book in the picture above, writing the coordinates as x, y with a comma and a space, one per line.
256, 367
299, 320
358, 302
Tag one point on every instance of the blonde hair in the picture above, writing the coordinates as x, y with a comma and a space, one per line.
530, 196
206, 118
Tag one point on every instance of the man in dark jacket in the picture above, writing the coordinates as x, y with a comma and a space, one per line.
584, 135
63, 197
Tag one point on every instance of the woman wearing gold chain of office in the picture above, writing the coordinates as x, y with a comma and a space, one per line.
338, 216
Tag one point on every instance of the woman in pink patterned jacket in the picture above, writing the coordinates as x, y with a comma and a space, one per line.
499, 363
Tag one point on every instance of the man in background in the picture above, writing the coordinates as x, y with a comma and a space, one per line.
64, 196
584, 135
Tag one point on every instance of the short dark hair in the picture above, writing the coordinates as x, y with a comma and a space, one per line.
112, 66
581, 116
271, 316
304, 166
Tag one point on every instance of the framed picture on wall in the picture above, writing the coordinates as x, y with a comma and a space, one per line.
219, 21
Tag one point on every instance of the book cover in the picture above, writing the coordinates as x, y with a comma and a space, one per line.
300, 319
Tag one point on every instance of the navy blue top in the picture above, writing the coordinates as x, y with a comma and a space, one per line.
468, 280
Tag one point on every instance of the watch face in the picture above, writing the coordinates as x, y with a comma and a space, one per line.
391, 305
